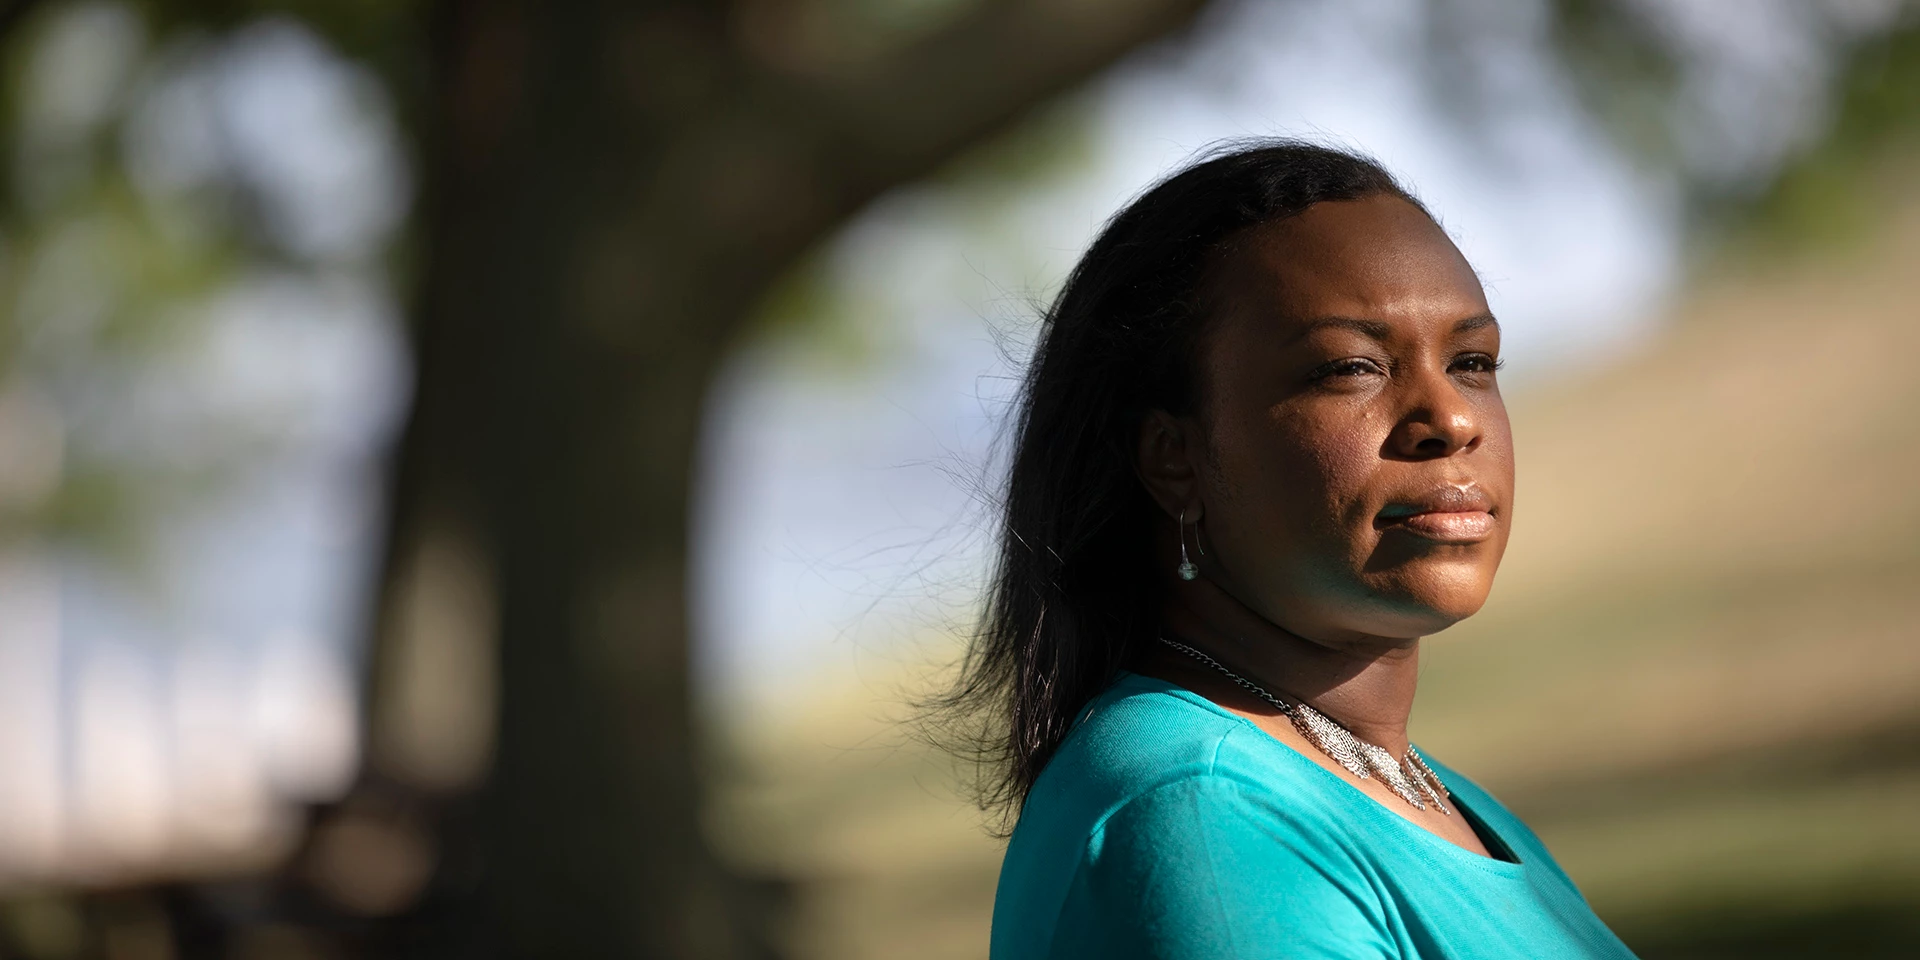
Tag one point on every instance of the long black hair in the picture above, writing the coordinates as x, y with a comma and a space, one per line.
1073, 595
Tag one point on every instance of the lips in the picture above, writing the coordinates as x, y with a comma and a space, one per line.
1444, 514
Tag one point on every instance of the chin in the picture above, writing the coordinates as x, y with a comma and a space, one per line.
1420, 602
1408, 622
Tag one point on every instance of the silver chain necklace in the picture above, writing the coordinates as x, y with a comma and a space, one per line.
1409, 777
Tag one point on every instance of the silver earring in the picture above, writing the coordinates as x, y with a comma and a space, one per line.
1187, 570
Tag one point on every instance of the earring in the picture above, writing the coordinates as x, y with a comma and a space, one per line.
1187, 570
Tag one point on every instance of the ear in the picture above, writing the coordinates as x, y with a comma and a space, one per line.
1165, 461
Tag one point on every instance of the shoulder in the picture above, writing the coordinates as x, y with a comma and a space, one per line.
1144, 734
1150, 765
1166, 820
1139, 737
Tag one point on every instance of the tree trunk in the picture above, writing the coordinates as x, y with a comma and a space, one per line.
607, 190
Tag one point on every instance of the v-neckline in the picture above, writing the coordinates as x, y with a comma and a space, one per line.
1509, 864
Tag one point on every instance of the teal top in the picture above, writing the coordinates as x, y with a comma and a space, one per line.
1167, 827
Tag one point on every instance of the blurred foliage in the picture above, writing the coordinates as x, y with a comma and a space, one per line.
813, 309
1631, 62
828, 36
821, 313
127, 214
1830, 195
1626, 70
96, 277
373, 31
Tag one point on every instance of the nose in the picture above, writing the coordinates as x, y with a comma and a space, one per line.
1437, 422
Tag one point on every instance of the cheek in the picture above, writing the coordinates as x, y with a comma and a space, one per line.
1300, 480
1337, 461
1502, 435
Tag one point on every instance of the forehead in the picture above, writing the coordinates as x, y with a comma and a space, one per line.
1375, 258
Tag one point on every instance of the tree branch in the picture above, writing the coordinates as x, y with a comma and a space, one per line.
11, 13
900, 117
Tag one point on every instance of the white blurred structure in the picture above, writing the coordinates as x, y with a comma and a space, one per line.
32, 807
170, 708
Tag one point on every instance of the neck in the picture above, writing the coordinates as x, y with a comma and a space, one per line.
1364, 683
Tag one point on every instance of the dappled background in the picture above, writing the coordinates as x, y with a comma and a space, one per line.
491, 478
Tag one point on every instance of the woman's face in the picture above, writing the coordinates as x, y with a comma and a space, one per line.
1355, 471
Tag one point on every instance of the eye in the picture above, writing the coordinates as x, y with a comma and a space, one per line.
1476, 363
1348, 367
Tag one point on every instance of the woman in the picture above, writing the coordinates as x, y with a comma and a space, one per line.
1260, 453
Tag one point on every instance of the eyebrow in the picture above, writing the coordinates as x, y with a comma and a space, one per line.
1381, 330
1377, 329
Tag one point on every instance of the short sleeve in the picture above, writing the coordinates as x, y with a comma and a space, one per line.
1209, 867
